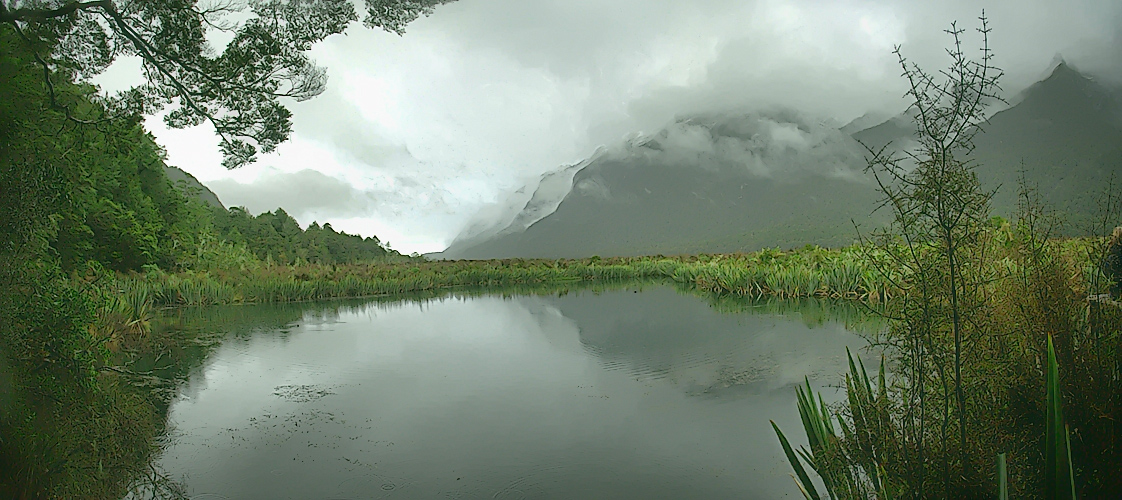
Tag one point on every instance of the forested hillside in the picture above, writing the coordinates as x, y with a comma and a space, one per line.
82, 192
99, 192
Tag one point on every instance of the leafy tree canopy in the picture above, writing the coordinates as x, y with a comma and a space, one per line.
237, 89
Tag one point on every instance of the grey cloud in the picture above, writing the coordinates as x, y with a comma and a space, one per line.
487, 96
777, 143
593, 187
423, 211
562, 36
332, 120
524, 206
1028, 34
593, 40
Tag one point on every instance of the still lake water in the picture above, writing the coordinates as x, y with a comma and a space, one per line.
616, 394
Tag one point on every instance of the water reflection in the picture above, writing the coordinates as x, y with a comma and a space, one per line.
661, 335
593, 394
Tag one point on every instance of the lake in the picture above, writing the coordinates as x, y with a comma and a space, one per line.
627, 393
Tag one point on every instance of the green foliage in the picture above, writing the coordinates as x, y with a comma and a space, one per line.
811, 272
83, 192
35, 170
89, 193
1031, 315
226, 273
45, 321
277, 236
806, 485
238, 88
941, 215
52, 397
977, 305
1059, 479
1036, 292
850, 465
101, 194
1059, 474
1002, 478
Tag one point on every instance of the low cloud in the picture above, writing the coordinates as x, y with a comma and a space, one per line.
776, 143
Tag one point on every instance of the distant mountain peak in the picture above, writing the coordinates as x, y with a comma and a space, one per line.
1063, 77
1057, 61
1069, 95
1060, 68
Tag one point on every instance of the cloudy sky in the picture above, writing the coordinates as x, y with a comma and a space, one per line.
417, 134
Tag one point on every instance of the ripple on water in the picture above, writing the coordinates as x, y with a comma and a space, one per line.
581, 475
372, 484
536, 482
702, 365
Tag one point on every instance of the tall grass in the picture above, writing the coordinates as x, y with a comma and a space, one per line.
1059, 478
852, 464
808, 272
1030, 316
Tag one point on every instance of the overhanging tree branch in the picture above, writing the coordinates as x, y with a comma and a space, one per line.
238, 90
29, 14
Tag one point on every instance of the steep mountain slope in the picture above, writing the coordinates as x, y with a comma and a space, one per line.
1064, 132
195, 189
743, 182
550, 190
711, 183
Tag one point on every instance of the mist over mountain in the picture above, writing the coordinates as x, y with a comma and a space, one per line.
719, 182
524, 206
743, 181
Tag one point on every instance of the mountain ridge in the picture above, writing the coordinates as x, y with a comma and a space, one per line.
194, 189
649, 195
632, 192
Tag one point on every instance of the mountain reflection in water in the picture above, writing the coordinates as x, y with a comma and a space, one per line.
595, 394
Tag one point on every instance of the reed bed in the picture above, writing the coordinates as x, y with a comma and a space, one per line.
807, 272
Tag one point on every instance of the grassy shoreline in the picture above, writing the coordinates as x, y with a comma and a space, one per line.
808, 272
126, 301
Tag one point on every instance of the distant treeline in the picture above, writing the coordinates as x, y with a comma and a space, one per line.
125, 214
277, 236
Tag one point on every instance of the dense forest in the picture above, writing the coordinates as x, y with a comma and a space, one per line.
277, 236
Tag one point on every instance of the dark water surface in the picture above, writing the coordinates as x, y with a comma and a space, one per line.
619, 394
